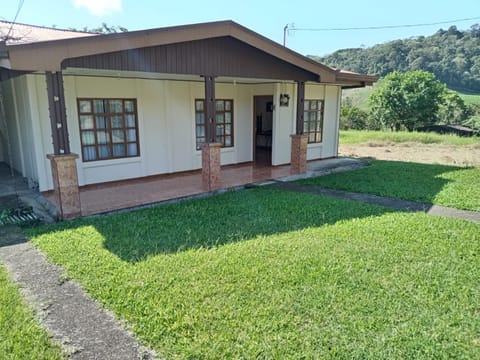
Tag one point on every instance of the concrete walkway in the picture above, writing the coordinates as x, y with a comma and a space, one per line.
75, 320
387, 202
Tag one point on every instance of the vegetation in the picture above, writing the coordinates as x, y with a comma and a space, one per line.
407, 100
438, 184
270, 274
365, 136
103, 29
20, 335
452, 55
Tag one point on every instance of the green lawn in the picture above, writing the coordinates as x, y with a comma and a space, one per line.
262, 273
363, 136
20, 335
470, 98
451, 186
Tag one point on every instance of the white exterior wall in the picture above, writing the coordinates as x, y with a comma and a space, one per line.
331, 113
23, 127
166, 124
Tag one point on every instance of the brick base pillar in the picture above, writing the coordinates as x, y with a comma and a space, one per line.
65, 185
211, 166
298, 162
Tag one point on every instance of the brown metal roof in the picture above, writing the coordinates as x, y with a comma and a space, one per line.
49, 55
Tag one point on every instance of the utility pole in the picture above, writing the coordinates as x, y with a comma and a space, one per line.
285, 28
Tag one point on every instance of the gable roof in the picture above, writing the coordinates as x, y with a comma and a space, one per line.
49, 55
25, 34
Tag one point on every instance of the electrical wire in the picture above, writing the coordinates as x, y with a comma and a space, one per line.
19, 8
384, 26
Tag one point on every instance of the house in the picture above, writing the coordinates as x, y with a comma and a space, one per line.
81, 108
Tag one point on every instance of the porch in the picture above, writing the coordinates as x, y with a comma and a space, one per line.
113, 196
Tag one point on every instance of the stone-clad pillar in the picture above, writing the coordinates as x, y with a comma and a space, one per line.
298, 162
211, 166
65, 184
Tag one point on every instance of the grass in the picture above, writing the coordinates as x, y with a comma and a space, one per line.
364, 136
20, 335
438, 184
263, 273
470, 98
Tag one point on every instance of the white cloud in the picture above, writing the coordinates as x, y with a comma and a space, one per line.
99, 7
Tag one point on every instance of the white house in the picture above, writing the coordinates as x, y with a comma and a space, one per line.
157, 101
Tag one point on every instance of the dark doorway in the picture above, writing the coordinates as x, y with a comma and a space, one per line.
262, 125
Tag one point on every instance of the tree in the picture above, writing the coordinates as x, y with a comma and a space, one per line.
352, 117
103, 29
453, 109
407, 100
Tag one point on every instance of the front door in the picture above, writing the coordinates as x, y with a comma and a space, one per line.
262, 134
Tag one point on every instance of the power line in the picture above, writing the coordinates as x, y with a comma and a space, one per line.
19, 8
384, 26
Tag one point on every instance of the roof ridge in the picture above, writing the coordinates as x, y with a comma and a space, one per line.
46, 27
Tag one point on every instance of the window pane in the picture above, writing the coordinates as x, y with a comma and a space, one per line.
89, 153
199, 105
118, 150
200, 118
200, 131
305, 126
311, 137
131, 135
101, 122
228, 129
99, 106
130, 120
200, 141
86, 122
104, 152
306, 105
313, 105
219, 129
219, 139
116, 106
219, 105
88, 137
85, 106
103, 137
228, 118
228, 105
132, 150
220, 118
129, 106
228, 141
117, 121
118, 136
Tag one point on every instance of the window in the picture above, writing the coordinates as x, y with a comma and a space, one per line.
108, 128
224, 122
313, 120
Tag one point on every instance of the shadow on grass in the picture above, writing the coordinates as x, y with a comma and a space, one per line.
215, 221
396, 179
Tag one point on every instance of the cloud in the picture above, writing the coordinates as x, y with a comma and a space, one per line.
99, 7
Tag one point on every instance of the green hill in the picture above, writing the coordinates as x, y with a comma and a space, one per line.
452, 55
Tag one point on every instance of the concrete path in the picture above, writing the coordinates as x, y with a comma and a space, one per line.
387, 202
75, 320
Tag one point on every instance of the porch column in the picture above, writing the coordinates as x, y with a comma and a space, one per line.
298, 159
64, 166
211, 156
65, 185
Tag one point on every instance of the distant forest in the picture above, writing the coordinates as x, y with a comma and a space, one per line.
452, 55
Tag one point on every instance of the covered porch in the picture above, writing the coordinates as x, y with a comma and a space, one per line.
147, 191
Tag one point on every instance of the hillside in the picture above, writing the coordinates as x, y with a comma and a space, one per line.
452, 55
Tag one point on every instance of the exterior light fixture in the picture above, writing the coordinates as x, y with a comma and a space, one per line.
284, 99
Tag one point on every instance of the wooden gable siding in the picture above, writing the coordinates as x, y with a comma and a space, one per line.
223, 56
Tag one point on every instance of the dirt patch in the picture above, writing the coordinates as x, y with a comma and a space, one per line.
468, 155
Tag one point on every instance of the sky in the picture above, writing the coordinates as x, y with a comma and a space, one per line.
265, 17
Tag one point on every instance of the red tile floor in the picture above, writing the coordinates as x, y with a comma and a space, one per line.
117, 195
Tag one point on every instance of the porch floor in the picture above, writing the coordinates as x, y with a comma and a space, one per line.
112, 196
